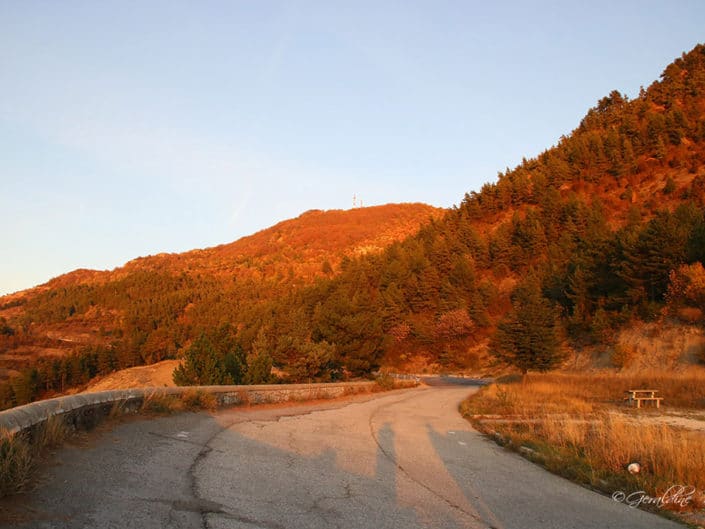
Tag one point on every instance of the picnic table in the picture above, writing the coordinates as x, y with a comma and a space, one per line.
637, 396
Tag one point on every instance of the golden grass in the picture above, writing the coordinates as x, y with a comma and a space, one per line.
52, 433
19, 453
576, 425
189, 400
161, 403
17, 463
199, 400
682, 390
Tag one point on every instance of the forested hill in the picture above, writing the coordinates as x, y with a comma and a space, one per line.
605, 228
298, 248
87, 322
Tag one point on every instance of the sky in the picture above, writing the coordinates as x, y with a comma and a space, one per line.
134, 128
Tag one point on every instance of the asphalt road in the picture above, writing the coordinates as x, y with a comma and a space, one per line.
404, 459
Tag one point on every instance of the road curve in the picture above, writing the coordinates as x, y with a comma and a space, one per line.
404, 459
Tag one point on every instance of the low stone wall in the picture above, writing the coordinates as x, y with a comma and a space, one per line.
85, 410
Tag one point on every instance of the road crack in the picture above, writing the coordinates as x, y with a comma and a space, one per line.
206, 507
191, 473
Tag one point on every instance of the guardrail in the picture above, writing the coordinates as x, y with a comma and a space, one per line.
84, 410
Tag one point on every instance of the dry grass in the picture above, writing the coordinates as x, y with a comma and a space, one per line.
681, 390
190, 400
160, 403
571, 424
155, 375
17, 463
20, 452
52, 433
199, 400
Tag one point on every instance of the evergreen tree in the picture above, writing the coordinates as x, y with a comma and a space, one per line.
214, 359
316, 361
259, 369
661, 246
696, 240
527, 337
353, 322
259, 361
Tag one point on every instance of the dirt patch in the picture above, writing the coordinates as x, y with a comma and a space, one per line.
694, 421
153, 376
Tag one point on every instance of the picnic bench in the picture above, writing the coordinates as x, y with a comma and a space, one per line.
637, 396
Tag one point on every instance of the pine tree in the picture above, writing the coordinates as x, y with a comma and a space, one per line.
661, 246
527, 337
259, 361
316, 362
214, 359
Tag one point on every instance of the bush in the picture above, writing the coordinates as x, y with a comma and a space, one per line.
385, 381
162, 404
194, 399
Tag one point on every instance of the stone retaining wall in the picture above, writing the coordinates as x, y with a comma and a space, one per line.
85, 410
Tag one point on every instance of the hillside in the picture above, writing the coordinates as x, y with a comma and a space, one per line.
302, 244
553, 262
599, 232
150, 308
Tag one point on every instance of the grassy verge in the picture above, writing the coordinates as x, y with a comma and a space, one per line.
576, 426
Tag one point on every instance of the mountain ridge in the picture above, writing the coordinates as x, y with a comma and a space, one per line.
401, 217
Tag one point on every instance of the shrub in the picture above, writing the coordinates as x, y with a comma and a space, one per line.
161, 403
385, 381
195, 399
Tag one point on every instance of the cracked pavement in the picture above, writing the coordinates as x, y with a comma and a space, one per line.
404, 459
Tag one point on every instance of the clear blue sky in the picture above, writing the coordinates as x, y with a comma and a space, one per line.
133, 128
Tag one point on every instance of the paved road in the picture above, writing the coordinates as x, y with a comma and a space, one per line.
401, 460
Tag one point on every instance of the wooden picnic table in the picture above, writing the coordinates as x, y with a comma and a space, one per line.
637, 396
